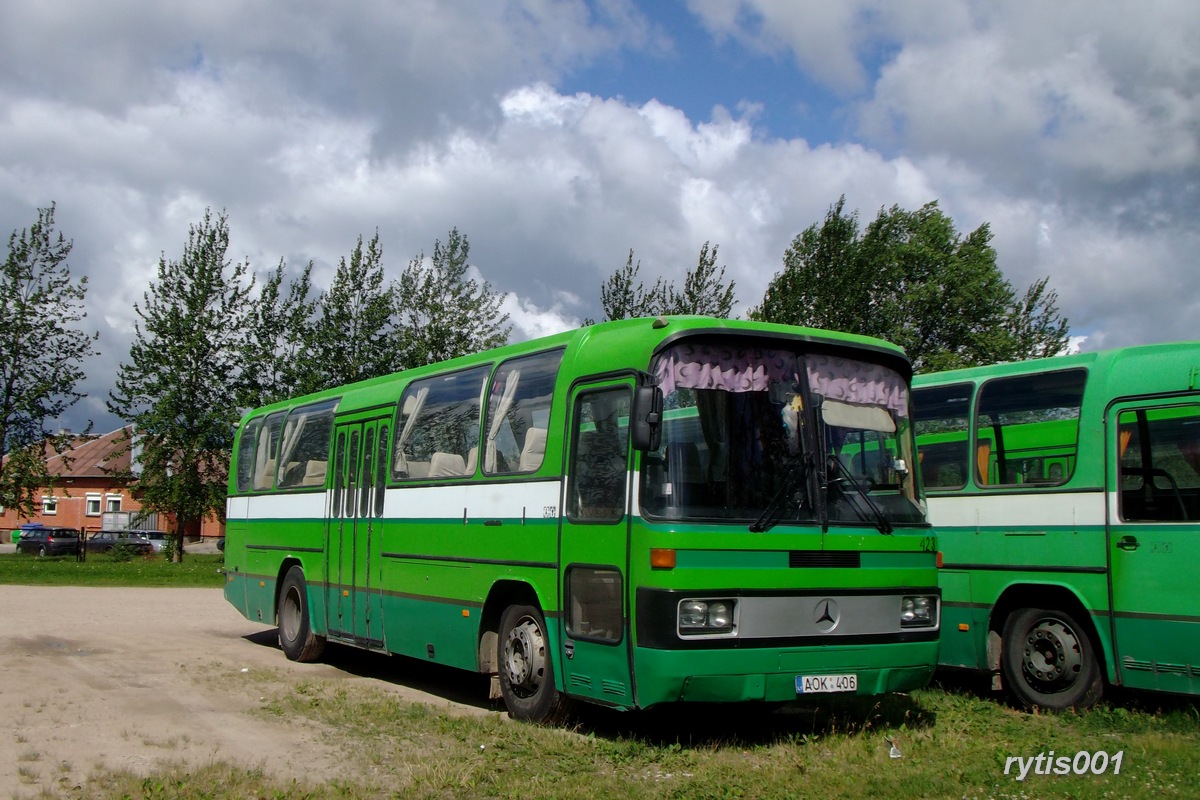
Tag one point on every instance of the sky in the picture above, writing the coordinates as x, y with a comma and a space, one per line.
557, 135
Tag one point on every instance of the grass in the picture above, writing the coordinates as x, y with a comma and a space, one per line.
952, 743
200, 570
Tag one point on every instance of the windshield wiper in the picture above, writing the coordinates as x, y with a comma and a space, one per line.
881, 521
774, 510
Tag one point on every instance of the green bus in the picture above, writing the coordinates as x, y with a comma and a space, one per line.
632, 513
1066, 495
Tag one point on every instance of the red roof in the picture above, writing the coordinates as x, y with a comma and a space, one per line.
92, 456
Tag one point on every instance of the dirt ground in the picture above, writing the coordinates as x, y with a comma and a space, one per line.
120, 678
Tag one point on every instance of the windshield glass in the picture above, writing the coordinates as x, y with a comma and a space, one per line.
767, 435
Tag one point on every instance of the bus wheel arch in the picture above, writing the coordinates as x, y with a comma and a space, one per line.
293, 615
1044, 644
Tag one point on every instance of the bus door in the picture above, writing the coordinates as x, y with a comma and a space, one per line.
353, 600
1154, 543
593, 550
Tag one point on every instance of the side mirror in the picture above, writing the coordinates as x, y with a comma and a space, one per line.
646, 421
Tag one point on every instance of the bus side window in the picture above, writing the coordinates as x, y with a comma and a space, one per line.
304, 449
438, 426
518, 414
266, 451
1159, 464
1026, 420
942, 425
245, 454
599, 477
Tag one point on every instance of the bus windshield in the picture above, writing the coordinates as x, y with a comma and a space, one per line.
765, 436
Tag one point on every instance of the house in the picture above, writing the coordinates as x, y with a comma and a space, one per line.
88, 489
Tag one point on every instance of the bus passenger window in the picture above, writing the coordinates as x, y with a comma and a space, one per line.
518, 414
245, 454
304, 449
942, 424
1030, 420
267, 451
438, 426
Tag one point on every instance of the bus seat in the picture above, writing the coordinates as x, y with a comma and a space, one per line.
472, 460
417, 469
314, 473
446, 465
264, 478
983, 455
533, 451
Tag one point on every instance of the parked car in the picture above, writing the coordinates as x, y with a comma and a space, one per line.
134, 541
158, 539
49, 541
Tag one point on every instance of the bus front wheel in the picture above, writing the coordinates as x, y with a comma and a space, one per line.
1049, 660
526, 667
296, 638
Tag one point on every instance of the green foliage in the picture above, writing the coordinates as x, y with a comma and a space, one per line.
621, 299
279, 327
911, 278
182, 374
353, 336
443, 313
704, 291
42, 350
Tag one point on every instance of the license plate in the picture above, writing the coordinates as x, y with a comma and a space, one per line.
818, 684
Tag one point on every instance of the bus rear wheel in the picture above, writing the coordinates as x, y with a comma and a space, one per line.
1049, 660
527, 669
296, 638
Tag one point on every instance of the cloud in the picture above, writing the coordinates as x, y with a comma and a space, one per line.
311, 124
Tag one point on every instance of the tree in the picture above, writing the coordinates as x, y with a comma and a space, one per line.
621, 299
442, 312
353, 336
913, 279
42, 350
704, 291
279, 327
184, 369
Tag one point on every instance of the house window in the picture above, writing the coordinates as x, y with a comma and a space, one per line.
49, 506
93, 505
112, 502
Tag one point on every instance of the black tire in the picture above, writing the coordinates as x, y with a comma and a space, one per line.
292, 616
527, 668
1049, 660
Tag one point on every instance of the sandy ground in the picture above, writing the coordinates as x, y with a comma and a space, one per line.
126, 678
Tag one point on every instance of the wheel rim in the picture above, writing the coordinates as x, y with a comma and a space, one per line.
1053, 656
525, 657
289, 616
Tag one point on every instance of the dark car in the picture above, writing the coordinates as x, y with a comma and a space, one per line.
133, 541
49, 541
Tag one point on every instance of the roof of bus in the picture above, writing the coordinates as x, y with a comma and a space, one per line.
611, 346
1180, 361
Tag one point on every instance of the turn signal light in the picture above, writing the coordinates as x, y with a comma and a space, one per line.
662, 558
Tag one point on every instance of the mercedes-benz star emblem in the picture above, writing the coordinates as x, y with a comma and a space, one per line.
826, 615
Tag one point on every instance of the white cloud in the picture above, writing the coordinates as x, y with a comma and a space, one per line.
1070, 129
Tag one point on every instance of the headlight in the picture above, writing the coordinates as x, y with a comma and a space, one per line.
918, 611
699, 617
